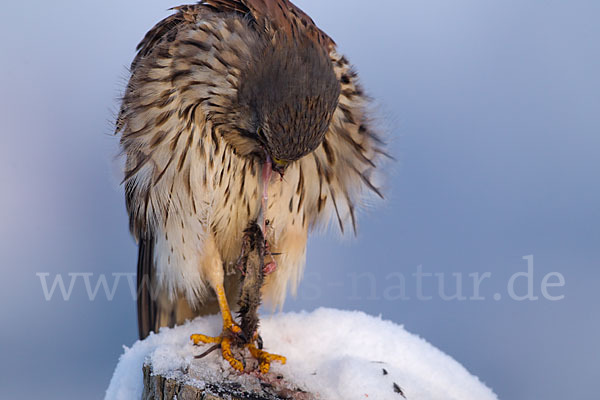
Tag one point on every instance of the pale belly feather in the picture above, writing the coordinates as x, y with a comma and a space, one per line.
216, 193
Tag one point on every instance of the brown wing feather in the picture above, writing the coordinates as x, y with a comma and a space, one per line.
154, 36
276, 15
150, 311
228, 5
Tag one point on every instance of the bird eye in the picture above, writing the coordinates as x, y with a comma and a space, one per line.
280, 163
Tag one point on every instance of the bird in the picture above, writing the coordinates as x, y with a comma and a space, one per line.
238, 112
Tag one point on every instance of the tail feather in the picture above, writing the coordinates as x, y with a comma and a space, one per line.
147, 309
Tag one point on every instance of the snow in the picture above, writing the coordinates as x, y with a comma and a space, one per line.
330, 353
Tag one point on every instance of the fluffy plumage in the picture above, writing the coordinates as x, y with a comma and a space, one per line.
195, 130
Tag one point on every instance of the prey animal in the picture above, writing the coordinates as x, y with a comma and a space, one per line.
230, 103
252, 267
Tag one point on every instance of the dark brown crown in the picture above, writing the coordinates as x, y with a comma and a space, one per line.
291, 92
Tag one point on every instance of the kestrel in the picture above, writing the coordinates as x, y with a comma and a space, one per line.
222, 93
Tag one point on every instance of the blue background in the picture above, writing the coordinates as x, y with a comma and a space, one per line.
493, 112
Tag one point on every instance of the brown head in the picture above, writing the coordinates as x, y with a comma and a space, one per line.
287, 96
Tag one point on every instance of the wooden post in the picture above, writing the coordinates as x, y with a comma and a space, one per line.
157, 387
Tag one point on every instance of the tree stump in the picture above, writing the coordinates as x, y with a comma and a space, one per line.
181, 387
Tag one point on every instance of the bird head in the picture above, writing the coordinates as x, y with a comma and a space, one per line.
288, 93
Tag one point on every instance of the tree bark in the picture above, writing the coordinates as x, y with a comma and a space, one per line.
157, 387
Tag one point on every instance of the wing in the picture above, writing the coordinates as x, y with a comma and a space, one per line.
275, 15
168, 26
162, 122
177, 79
147, 307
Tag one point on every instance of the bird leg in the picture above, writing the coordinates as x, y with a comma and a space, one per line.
264, 359
230, 335
233, 335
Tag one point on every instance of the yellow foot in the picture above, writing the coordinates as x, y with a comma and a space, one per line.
230, 338
229, 335
265, 359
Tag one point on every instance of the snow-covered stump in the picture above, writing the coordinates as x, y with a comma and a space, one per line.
331, 355
159, 387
